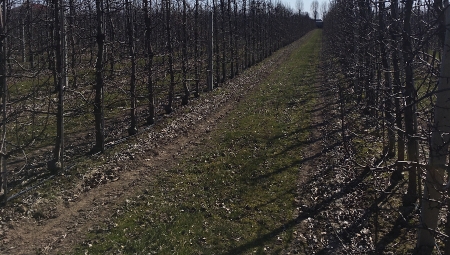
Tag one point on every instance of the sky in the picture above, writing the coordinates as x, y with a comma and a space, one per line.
306, 5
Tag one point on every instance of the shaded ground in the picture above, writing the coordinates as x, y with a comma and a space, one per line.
347, 206
332, 217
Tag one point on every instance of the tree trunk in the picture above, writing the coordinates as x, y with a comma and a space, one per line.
397, 92
224, 41
51, 43
253, 32
410, 110
150, 54
29, 34
71, 23
230, 44
112, 38
169, 106
196, 51
438, 154
388, 106
3, 90
236, 38
246, 47
210, 77
23, 41
98, 100
184, 61
130, 33
57, 163
216, 44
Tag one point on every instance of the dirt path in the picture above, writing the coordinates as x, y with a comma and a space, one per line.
54, 224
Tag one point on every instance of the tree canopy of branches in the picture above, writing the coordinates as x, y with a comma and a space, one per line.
77, 75
390, 61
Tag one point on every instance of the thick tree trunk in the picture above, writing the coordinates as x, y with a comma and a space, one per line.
438, 154
98, 100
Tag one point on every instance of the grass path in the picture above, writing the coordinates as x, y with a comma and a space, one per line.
238, 193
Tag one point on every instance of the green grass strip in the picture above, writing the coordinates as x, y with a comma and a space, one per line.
236, 195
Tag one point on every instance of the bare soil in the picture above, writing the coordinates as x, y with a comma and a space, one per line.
37, 223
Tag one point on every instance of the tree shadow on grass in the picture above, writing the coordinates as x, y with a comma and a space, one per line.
295, 163
308, 212
346, 234
321, 108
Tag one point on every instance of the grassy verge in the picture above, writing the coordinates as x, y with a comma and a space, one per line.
237, 193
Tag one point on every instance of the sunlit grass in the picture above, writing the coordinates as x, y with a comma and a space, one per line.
237, 193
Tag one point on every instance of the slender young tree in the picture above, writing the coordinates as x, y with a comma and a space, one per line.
230, 40
169, 106
53, 45
252, 10
71, 37
246, 34
60, 42
3, 90
99, 70
112, 37
29, 33
197, 60
410, 109
184, 61
397, 88
216, 43
210, 74
388, 105
131, 48
224, 41
236, 53
149, 67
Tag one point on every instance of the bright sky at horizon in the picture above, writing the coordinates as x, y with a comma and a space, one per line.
306, 6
